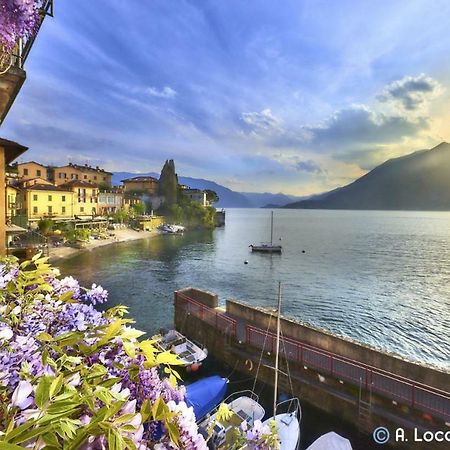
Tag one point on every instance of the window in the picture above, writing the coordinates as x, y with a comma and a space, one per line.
63, 198
38, 173
72, 176
35, 210
35, 198
63, 209
85, 177
104, 178
50, 198
50, 209
82, 209
25, 171
95, 177
60, 175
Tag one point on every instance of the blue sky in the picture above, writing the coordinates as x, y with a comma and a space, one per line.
292, 96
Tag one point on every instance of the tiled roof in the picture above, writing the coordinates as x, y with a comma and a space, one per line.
47, 187
79, 183
139, 179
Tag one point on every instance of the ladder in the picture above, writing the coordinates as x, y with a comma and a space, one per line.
364, 409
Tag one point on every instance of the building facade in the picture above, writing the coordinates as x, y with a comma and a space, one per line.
46, 201
109, 202
196, 195
70, 172
85, 197
147, 185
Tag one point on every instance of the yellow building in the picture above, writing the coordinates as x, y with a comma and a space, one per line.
70, 172
13, 202
47, 201
85, 197
9, 151
32, 169
149, 185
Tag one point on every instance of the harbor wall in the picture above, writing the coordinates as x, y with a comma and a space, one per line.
341, 346
223, 331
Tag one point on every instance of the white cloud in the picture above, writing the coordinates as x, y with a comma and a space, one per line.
263, 121
165, 92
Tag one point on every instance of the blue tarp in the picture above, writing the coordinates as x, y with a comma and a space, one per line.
205, 394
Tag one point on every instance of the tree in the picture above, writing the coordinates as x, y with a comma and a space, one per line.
168, 183
45, 226
211, 196
139, 208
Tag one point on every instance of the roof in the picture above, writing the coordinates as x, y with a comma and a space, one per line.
79, 183
31, 162
12, 150
194, 191
46, 187
139, 179
86, 168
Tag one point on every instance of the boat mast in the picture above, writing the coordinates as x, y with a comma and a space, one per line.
277, 351
271, 229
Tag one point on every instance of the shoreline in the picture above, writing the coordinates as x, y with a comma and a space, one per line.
57, 254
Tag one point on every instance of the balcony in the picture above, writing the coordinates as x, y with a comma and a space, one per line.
12, 73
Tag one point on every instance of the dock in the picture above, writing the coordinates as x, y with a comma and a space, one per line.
363, 386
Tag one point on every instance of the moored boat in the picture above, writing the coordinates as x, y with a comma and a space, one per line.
204, 395
243, 407
189, 353
267, 247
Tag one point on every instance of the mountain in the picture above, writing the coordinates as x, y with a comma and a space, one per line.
261, 200
419, 181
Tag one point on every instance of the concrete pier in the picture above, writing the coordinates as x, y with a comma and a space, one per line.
364, 386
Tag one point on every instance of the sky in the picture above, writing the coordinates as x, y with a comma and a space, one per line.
296, 96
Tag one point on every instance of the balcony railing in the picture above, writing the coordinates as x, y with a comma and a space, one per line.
23, 47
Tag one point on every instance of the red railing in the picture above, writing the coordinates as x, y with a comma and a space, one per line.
220, 321
389, 385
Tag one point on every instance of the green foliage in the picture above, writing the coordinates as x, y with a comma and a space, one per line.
121, 216
78, 234
211, 196
168, 184
138, 209
45, 226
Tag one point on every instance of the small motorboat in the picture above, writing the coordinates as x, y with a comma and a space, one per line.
204, 395
244, 407
190, 354
172, 229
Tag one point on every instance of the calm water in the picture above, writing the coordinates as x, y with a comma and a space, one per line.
382, 278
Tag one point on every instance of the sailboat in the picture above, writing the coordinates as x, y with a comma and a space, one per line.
268, 247
287, 422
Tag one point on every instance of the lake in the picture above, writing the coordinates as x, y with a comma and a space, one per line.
379, 277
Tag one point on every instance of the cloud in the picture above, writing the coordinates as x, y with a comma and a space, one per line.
308, 166
263, 121
165, 92
411, 92
358, 125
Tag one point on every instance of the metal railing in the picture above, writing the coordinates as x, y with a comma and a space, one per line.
225, 324
394, 387
389, 385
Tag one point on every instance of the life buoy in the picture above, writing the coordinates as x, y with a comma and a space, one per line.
249, 364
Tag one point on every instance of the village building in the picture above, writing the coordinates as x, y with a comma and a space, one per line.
141, 184
110, 202
85, 197
46, 201
9, 151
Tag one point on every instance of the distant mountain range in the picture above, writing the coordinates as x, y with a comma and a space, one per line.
228, 198
419, 181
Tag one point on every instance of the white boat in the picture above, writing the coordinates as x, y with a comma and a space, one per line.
172, 229
288, 422
330, 441
244, 407
189, 353
267, 247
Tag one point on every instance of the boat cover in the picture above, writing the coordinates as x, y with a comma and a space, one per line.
330, 441
205, 394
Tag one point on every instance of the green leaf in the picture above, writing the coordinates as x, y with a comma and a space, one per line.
51, 439
42, 394
23, 437
56, 385
173, 432
44, 337
6, 446
20, 429
146, 410
129, 348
